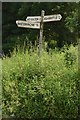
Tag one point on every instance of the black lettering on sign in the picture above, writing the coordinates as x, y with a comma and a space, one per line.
27, 24
51, 17
36, 24
24, 24
33, 18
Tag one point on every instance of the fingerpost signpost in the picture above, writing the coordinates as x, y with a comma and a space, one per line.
36, 22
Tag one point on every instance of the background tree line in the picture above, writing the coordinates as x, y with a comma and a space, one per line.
62, 32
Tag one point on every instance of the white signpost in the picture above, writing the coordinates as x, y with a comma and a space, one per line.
26, 24
47, 18
36, 22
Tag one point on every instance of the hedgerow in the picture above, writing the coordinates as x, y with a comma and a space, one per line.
43, 87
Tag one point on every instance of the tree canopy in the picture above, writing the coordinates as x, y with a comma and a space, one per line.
63, 32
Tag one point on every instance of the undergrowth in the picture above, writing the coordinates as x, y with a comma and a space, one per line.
43, 87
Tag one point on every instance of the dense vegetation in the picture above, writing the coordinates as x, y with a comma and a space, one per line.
41, 88
49, 86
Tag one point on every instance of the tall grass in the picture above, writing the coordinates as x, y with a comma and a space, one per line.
43, 87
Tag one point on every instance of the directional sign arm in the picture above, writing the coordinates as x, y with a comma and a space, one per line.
27, 24
47, 18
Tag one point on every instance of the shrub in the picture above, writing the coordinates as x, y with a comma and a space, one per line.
39, 88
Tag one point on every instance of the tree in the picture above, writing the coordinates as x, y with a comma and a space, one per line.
64, 31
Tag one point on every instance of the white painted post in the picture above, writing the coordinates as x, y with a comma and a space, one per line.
41, 34
36, 22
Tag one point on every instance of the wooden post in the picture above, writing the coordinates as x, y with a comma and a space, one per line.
41, 34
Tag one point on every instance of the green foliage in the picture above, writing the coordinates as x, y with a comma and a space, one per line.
39, 88
64, 31
52, 44
72, 20
70, 57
